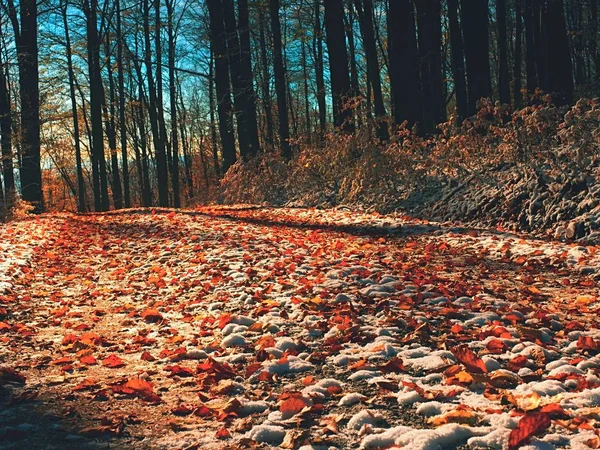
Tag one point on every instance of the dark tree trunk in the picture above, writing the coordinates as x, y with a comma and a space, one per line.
241, 77
503, 72
430, 49
559, 70
403, 60
280, 81
338, 64
101, 200
594, 38
518, 63
27, 54
213, 122
266, 81
173, 106
458, 62
225, 108
530, 58
319, 68
162, 159
122, 121
6, 136
157, 136
306, 99
365, 17
111, 131
247, 80
354, 84
474, 15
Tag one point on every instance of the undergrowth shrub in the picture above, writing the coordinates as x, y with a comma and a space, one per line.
358, 169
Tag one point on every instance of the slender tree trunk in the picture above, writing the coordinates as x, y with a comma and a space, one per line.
365, 17
6, 136
280, 82
213, 122
354, 84
503, 71
319, 68
81, 207
111, 131
158, 111
225, 108
403, 59
594, 38
429, 22
247, 80
173, 106
530, 59
517, 77
266, 80
101, 200
306, 99
458, 62
122, 120
338, 64
475, 31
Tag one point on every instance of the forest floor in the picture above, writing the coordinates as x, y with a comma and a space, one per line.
293, 328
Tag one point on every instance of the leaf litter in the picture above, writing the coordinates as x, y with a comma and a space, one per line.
253, 327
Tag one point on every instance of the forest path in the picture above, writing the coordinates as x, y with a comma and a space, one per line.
253, 327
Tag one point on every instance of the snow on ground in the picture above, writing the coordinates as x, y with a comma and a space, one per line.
302, 328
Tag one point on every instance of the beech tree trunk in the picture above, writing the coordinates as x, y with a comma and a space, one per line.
503, 72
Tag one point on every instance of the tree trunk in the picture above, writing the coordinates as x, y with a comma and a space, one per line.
101, 200
503, 72
280, 82
338, 64
530, 58
266, 80
247, 80
430, 48
559, 70
458, 62
319, 68
158, 110
474, 15
27, 54
173, 106
365, 17
6, 136
111, 131
517, 77
403, 59
594, 38
354, 84
122, 121
225, 108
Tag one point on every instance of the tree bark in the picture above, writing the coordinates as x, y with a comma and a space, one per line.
365, 17
503, 72
122, 120
266, 81
319, 68
518, 63
338, 64
280, 82
474, 15
430, 48
458, 62
403, 59
222, 83
173, 105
